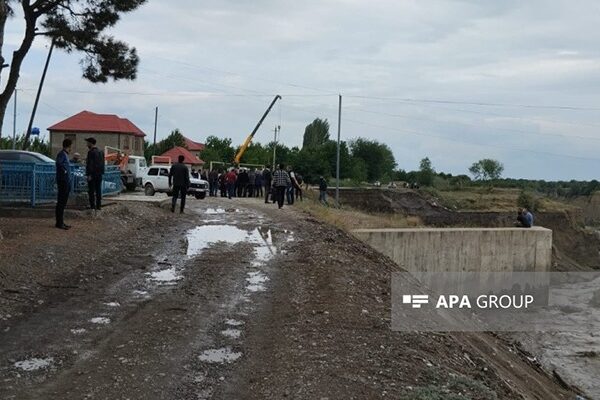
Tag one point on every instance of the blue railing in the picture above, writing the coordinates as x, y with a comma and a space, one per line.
34, 184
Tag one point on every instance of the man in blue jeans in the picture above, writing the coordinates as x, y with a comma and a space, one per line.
63, 182
179, 181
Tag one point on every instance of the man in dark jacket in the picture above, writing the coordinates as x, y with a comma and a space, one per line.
63, 182
267, 182
94, 169
179, 181
323, 191
213, 182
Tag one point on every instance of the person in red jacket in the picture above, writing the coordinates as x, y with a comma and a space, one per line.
230, 179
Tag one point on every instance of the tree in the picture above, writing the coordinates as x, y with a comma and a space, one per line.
316, 133
175, 139
216, 149
426, 172
378, 157
487, 169
73, 25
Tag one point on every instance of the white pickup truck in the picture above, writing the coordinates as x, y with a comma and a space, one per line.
156, 179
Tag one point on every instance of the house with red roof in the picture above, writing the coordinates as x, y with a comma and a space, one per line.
194, 147
108, 130
188, 158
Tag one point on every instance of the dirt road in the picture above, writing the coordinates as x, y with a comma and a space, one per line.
234, 300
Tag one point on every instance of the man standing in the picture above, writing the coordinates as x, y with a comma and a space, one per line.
230, 180
213, 182
291, 189
63, 182
267, 180
281, 181
258, 184
179, 181
251, 183
94, 169
323, 191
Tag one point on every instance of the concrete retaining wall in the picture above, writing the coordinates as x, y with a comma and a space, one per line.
464, 249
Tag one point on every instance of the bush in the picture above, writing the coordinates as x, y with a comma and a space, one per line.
528, 200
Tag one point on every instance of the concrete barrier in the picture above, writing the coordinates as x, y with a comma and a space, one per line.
464, 249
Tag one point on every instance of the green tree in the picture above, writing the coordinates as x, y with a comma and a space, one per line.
487, 169
378, 158
426, 172
175, 139
74, 26
316, 133
217, 149
37, 145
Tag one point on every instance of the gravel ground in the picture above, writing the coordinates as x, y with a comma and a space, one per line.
234, 299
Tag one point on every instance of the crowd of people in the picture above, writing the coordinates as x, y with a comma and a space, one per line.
277, 186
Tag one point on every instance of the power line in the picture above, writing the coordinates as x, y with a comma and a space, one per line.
476, 126
417, 133
479, 103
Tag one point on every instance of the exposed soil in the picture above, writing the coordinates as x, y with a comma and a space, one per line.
235, 299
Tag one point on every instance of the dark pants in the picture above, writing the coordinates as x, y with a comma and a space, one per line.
230, 190
95, 192
298, 191
258, 192
280, 194
241, 187
248, 191
61, 201
267, 191
290, 195
178, 191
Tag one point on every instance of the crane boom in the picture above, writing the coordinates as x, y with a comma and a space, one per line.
248, 140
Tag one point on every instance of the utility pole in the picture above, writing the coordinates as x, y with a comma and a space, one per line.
37, 97
337, 166
155, 126
15, 121
276, 131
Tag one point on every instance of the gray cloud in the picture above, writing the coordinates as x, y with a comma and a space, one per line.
202, 58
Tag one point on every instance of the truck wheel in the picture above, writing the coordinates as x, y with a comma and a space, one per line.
200, 196
149, 190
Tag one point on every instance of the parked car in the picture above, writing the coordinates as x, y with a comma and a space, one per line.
156, 179
25, 156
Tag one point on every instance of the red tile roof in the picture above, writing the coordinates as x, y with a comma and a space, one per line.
193, 146
87, 121
189, 158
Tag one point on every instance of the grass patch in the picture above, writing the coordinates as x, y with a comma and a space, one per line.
492, 199
348, 219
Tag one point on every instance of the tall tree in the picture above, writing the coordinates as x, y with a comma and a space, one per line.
73, 25
487, 169
426, 172
216, 149
378, 157
175, 139
316, 133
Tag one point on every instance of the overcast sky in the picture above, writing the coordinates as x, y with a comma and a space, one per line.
406, 69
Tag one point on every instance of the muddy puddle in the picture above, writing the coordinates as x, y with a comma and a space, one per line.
202, 237
34, 364
220, 356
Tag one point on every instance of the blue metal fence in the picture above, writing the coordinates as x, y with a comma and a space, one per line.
34, 184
